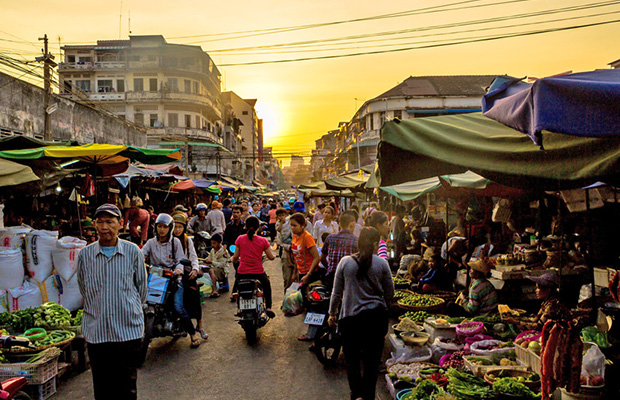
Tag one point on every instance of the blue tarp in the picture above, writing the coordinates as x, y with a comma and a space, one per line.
582, 104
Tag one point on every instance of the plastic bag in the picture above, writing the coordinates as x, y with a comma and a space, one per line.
25, 296
39, 247
11, 268
593, 367
293, 301
65, 256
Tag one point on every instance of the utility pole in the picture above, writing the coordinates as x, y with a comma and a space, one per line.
47, 64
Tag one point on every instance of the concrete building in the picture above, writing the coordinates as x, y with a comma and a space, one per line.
250, 132
416, 97
614, 64
321, 160
22, 113
173, 90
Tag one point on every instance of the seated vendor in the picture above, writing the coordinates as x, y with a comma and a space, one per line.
551, 308
436, 278
482, 296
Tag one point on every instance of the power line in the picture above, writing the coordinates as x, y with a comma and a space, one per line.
477, 40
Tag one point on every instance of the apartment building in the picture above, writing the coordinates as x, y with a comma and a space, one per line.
172, 90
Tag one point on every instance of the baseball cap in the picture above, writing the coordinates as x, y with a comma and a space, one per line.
110, 209
180, 207
299, 206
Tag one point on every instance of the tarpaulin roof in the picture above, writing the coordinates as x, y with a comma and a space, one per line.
96, 153
12, 173
411, 190
344, 182
190, 184
313, 185
581, 104
427, 147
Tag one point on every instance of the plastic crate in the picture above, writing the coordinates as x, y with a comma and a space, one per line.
528, 357
35, 373
42, 391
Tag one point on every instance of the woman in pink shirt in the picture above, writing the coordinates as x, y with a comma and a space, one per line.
272, 222
249, 249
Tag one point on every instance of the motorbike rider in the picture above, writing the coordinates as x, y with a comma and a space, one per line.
167, 251
199, 223
191, 295
249, 250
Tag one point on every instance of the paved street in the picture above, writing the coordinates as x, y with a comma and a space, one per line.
226, 368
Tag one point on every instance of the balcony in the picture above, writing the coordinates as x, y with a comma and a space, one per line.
190, 133
373, 134
75, 66
104, 96
110, 65
181, 97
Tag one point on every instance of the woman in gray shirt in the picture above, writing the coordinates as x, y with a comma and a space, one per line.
363, 288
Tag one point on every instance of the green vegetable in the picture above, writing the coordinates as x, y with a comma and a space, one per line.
425, 390
77, 321
416, 316
465, 386
3, 358
514, 387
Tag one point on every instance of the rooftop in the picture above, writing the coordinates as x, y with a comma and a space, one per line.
456, 85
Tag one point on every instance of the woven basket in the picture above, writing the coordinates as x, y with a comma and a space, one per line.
19, 349
436, 307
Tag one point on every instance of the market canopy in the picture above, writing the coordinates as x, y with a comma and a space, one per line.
582, 104
313, 185
96, 153
412, 190
416, 149
191, 184
345, 182
12, 173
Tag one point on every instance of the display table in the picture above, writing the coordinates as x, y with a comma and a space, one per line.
433, 331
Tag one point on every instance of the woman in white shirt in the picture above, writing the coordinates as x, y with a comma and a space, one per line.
325, 225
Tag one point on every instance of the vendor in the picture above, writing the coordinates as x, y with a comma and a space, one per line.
437, 277
551, 308
482, 296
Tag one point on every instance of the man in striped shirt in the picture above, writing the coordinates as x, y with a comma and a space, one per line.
112, 279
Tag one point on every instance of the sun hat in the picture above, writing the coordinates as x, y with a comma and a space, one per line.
480, 266
549, 279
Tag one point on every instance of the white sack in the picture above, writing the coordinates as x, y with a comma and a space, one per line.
50, 289
4, 301
65, 255
39, 248
11, 268
26, 296
70, 296
13, 236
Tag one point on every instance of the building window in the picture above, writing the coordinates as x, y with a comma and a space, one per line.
120, 85
244, 112
187, 85
173, 84
138, 118
104, 85
372, 121
84, 86
71, 59
84, 60
138, 85
197, 122
398, 114
173, 120
188, 121
153, 121
152, 58
195, 87
152, 84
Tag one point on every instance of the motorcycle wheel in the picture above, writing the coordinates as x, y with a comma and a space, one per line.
21, 396
327, 346
250, 332
149, 321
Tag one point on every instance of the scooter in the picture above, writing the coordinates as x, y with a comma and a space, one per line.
327, 341
251, 306
160, 318
11, 389
202, 244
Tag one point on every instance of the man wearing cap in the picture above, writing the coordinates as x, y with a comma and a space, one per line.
551, 308
482, 295
199, 222
112, 280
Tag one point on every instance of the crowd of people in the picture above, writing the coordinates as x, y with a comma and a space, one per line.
349, 253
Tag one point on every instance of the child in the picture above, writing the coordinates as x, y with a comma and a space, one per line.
218, 259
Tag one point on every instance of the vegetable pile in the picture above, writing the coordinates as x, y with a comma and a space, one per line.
52, 315
467, 387
19, 320
416, 316
77, 321
416, 300
401, 281
54, 337
514, 387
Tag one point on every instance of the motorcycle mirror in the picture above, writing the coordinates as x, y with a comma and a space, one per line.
231, 248
185, 262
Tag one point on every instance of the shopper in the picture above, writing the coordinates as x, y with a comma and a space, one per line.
112, 279
324, 225
379, 221
216, 219
199, 222
319, 214
339, 245
284, 239
227, 210
364, 287
138, 221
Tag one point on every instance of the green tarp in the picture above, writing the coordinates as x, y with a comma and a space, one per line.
422, 148
313, 185
411, 190
345, 182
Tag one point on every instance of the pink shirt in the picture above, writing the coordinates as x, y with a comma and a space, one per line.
251, 254
272, 216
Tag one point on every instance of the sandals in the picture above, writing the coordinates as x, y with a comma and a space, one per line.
195, 344
304, 338
203, 334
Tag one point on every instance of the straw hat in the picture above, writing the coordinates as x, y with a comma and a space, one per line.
549, 280
480, 266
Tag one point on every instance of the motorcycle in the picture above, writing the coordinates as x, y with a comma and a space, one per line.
327, 341
160, 318
11, 389
251, 306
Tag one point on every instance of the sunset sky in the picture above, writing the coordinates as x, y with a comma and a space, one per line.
300, 101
